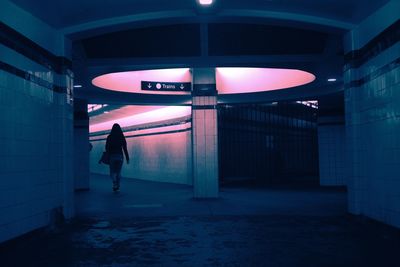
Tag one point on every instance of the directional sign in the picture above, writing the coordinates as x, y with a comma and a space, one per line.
166, 86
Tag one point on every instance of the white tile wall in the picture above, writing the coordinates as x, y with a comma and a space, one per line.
373, 125
331, 145
372, 137
205, 148
35, 164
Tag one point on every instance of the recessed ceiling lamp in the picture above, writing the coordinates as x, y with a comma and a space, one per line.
77, 86
332, 80
205, 2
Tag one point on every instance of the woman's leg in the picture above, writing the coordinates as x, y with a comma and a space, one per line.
118, 167
113, 173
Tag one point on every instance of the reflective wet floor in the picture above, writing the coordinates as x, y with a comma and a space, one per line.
152, 224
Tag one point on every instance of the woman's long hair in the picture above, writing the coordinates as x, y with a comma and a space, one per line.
116, 131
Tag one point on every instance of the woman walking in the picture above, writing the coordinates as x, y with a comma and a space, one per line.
115, 144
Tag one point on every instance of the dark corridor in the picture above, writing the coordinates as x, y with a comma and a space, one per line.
268, 143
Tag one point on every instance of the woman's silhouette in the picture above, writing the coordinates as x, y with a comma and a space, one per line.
115, 144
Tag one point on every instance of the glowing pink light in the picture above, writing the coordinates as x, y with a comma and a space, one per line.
247, 80
205, 2
94, 107
130, 81
229, 80
160, 114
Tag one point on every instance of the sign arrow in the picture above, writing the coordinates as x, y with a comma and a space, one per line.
182, 86
149, 86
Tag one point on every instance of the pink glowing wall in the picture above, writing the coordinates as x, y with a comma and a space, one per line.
159, 114
157, 154
160, 154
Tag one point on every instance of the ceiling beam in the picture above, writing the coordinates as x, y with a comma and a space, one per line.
191, 16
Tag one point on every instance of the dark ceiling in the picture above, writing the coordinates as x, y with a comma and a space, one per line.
183, 40
61, 14
161, 41
118, 35
253, 39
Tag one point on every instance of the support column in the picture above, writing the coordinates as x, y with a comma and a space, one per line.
81, 145
204, 134
331, 137
67, 147
331, 140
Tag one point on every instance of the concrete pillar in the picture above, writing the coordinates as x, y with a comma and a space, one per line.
331, 139
204, 134
67, 168
331, 150
81, 145
66, 147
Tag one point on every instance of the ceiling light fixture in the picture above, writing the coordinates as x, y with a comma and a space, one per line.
332, 80
77, 86
205, 2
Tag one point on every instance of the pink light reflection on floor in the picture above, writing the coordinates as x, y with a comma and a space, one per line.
146, 117
130, 81
246, 80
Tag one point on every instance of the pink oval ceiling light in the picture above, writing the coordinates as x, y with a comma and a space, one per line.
231, 80
235, 80
130, 81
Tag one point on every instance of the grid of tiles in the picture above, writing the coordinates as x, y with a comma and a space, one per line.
36, 145
331, 147
372, 132
205, 147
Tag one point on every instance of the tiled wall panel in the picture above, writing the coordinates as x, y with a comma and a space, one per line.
372, 105
35, 144
32, 167
331, 146
205, 147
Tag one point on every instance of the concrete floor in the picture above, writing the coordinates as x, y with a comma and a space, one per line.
152, 224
